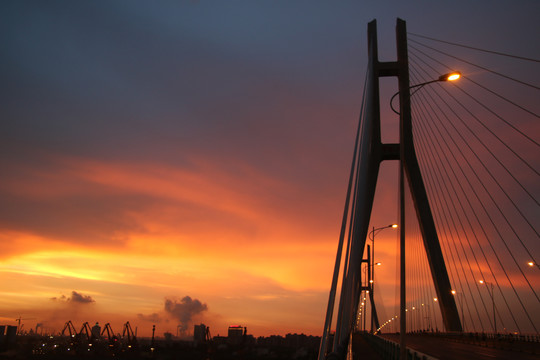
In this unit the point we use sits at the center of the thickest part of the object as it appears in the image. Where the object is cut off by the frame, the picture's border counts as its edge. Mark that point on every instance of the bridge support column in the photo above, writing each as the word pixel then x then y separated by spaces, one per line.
pixel 418 191
pixel 369 153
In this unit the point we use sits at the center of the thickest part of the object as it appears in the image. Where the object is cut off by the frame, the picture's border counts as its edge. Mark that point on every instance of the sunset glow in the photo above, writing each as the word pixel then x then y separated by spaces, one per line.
pixel 154 156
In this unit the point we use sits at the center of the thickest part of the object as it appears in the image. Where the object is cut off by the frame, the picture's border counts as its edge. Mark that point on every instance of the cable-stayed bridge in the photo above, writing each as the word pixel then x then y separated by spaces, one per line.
pixel 469 211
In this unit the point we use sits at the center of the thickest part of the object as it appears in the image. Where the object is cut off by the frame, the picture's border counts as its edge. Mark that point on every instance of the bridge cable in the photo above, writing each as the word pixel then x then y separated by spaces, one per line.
pixel 439 162
pixel 500 163
pixel 414 271
pixel 433 146
pixel 486 127
pixel 508 101
pixel 493 93
pixel 423 278
pixel 497 137
pixel 498 183
pixel 476 48
pixel 451 253
pixel 331 300
pixel 520 269
pixel 499 233
pixel 478 66
pixel 444 225
pixel 417 275
pixel 352 288
pixel 436 193
pixel 501 212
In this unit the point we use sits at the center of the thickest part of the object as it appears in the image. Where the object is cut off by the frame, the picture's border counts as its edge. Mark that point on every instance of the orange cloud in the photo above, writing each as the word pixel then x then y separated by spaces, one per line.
pixel 167 232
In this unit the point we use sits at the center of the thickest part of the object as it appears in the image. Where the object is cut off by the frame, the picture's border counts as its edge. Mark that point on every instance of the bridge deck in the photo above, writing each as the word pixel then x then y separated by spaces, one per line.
pixel 447 349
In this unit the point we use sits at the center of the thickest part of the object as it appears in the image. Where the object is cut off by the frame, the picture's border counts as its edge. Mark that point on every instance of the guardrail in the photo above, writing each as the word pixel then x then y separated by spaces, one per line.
pixel 518 343
pixel 390 350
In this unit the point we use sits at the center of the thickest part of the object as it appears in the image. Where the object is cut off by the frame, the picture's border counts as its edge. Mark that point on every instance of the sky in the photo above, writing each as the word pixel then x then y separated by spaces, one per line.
pixel 177 162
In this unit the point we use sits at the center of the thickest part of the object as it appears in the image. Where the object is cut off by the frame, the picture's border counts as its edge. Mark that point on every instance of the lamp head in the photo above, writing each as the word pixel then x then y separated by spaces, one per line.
pixel 453 76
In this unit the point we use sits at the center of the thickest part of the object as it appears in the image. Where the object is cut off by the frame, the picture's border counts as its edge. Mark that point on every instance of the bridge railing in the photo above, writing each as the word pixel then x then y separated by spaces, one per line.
pixel 390 350
pixel 517 343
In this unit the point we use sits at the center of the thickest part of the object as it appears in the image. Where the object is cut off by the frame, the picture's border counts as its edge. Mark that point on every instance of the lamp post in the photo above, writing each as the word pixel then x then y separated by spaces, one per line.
pixel 406 149
pixel 492 294
pixel 452 76
pixel 371 236
pixel 460 294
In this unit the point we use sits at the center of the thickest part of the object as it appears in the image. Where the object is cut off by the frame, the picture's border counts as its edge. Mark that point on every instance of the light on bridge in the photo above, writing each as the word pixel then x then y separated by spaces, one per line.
pixel 453 76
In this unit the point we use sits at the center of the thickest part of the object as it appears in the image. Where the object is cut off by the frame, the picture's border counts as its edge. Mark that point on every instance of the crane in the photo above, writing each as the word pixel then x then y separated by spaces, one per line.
pixel 69 326
pixel 85 330
pixel 19 327
pixel 113 339
pixel 131 338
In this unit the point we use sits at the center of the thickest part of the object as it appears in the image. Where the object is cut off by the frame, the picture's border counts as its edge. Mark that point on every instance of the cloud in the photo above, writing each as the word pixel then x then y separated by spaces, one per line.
pixel 154 317
pixel 184 310
pixel 80 298
pixel 75 298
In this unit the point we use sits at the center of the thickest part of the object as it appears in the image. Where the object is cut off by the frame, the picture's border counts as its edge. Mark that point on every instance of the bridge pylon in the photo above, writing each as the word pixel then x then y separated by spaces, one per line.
pixel 369 153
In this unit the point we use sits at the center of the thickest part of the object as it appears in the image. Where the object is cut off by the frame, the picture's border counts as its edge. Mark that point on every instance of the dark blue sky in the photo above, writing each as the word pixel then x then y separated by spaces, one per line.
pixel 100 77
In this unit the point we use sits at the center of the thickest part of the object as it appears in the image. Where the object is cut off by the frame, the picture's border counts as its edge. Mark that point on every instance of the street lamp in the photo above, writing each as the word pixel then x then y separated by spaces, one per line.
pixel 371 236
pixel 492 294
pixel 452 76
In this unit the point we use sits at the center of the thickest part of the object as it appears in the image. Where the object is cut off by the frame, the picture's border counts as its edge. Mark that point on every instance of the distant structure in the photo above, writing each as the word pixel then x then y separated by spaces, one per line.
pixel 236 334
pixel 199 333
pixel 96 331
pixel 8 335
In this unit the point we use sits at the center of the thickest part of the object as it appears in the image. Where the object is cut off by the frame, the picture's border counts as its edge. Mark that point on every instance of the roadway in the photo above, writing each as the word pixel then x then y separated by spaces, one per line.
pixel 446 349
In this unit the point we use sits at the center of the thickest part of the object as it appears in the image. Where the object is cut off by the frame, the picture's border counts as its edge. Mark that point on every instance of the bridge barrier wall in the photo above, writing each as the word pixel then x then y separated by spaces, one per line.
pixel 511 342
pixel 390 350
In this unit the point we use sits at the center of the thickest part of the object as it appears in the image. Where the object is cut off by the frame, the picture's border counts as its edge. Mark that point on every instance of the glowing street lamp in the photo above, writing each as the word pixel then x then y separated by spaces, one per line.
pixel 451 76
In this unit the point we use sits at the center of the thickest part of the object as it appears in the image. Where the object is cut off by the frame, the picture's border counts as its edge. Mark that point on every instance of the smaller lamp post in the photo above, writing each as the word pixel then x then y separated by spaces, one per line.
pixel 492 294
